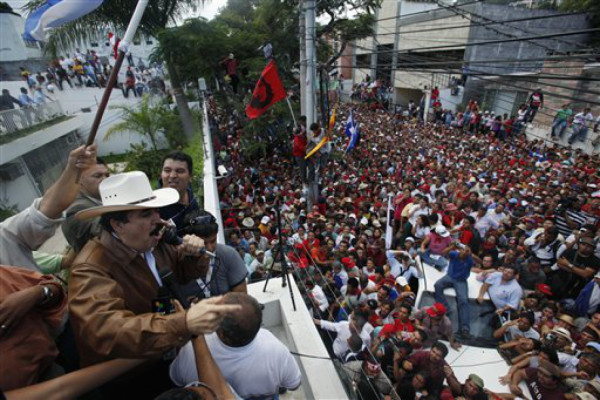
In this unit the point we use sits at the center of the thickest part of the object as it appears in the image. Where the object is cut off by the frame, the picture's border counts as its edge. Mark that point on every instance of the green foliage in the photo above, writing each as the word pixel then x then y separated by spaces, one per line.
pixel 7 211
pixel 195 149
pixel 5 8
pixel 146 160
pixel 148 120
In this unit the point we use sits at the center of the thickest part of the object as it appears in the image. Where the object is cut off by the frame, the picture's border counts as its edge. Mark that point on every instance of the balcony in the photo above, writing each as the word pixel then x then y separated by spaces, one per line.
pixel 21 122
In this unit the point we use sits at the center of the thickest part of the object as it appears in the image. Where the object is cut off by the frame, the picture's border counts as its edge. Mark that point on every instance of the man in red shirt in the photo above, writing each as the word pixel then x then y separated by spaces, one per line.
pixel 299 148
pixel 402 322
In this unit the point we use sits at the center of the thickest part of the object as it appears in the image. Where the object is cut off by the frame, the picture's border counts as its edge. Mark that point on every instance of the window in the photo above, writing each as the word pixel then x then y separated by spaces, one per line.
pixel 31 44
pixel 149 42
pixel 137 42
pixel 94 44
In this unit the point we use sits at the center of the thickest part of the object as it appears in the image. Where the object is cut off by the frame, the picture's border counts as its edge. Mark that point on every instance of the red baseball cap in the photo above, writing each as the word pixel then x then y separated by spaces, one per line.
pixel 543 288
pixel 436 310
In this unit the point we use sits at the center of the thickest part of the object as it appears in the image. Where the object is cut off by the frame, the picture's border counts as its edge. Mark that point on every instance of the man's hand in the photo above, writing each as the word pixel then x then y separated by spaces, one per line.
pixel 192 245
pixel 455 345
pixel 205 316
pixel 16 305
pixel 480 299
pixel 407 366
pixel 82 158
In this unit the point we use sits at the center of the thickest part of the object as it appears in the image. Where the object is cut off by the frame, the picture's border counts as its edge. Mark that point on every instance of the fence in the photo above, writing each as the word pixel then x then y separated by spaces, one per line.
pixel 12 121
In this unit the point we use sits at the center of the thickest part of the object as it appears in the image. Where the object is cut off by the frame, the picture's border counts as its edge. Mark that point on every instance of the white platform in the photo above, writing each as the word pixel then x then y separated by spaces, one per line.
pixel 297 330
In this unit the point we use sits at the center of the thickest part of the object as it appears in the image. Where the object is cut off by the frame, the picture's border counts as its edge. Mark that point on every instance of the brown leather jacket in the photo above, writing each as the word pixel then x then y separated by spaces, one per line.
pixel 110 295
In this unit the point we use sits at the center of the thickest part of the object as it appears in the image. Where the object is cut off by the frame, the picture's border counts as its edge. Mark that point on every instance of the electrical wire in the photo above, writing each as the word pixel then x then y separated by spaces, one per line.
pixel 468 15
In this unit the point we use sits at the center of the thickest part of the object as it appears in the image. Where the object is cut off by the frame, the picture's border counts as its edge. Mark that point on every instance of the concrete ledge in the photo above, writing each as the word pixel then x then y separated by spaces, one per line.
pixel 21 146
pixel 319 377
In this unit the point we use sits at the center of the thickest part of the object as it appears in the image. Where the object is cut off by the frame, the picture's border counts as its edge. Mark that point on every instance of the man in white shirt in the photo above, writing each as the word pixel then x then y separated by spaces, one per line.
pixel 345 329
pixel 253 361
pixel 581 123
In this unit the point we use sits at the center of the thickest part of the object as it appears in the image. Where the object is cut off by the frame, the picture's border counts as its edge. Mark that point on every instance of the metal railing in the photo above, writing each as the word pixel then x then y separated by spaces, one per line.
pixel 12 121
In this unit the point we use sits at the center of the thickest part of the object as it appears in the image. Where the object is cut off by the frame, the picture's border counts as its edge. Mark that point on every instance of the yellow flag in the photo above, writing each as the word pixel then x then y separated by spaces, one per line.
pixel 325 138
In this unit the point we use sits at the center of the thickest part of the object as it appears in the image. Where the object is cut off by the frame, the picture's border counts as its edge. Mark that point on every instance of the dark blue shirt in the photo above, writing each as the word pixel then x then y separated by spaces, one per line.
pixel 459 269
pixel 178 211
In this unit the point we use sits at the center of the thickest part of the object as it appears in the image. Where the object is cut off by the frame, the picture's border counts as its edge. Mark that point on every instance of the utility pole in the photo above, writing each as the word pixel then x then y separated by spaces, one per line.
pixel 395 53
pixel 374 46
pixel 302 30
pixel 309 12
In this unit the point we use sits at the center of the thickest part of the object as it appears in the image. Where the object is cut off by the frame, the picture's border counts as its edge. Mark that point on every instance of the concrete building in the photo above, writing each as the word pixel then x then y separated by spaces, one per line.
pixel 436 43
pixel 16 52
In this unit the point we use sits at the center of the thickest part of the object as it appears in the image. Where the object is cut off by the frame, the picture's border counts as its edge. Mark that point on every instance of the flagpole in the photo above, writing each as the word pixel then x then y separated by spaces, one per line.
pixel 112 80
pixel 291 111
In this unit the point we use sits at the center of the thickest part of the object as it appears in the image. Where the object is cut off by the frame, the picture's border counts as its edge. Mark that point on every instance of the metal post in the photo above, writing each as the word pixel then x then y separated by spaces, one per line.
pixel 395 54
pixel 302 33
pixel 310 61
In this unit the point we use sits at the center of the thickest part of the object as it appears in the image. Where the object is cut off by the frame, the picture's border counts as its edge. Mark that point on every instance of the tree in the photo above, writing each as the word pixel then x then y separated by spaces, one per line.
pixel 344 29
pixel 117 14
pixel 146 121
pixel 5 8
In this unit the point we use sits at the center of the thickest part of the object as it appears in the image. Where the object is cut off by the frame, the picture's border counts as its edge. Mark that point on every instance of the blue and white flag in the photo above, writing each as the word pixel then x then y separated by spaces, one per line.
pixel 353 132
pixel 54 13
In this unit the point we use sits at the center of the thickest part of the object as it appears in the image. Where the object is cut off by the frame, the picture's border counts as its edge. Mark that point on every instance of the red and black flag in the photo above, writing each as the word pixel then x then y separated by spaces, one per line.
pixel 268 91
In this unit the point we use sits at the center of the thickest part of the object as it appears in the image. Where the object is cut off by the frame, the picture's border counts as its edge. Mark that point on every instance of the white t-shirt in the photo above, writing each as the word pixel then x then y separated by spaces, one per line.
pixel 258 369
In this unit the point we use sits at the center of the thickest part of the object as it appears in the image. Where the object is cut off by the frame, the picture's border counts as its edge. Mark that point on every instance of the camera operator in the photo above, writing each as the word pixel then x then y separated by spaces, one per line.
pixel 546 246
pixel 559 339
pixel 221 268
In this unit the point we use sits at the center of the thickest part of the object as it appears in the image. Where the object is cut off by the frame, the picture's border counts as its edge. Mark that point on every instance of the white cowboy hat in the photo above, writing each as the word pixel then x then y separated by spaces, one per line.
pixel 248 222
pixel 129 191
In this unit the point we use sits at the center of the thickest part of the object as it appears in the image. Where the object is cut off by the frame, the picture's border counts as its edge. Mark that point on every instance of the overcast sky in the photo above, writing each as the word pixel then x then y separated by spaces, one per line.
pixel 209 10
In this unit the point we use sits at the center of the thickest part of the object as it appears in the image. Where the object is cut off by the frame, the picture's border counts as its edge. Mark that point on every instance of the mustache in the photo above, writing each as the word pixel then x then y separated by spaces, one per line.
pixel 159 228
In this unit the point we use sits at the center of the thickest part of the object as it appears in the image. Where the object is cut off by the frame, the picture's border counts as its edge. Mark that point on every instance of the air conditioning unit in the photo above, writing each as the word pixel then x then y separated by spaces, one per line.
pixel 11 171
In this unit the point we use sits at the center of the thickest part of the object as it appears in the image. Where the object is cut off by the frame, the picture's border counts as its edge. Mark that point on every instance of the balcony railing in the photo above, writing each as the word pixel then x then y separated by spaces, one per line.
pixel 21 119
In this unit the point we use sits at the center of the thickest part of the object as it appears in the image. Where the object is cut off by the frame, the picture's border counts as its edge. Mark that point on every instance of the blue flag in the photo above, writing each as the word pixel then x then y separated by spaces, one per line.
pixel 353 132
pixel 54 13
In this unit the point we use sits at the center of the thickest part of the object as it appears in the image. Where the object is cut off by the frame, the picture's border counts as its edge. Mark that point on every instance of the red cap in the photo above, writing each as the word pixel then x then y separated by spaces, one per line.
pixel 436 310
pixel 543 288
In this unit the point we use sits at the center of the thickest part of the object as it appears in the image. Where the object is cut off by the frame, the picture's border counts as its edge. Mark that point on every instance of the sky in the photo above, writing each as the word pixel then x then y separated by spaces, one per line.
pixel 208 11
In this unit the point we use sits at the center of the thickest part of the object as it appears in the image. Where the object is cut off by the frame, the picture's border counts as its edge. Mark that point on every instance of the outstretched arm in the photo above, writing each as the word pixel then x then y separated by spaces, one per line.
pixel 208 370
pixel 75 384
pixel 63 192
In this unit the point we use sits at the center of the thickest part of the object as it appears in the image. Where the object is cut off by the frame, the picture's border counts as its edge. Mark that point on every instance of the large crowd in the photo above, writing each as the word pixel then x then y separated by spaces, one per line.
pixel 362 230
pixel 520 218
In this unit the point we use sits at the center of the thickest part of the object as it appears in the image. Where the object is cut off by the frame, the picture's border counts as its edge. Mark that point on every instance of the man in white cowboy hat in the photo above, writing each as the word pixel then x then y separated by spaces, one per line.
pixel 115 280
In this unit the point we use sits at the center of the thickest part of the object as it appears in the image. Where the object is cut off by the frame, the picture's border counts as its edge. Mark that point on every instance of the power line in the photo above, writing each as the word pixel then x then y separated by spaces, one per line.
pixel 468 14
pixel 493 41
pixel 442 28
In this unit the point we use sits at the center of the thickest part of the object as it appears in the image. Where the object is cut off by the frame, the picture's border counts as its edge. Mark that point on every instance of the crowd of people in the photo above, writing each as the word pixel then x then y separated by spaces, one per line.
pixel 520 217
pixel 360 229
pixel 90 70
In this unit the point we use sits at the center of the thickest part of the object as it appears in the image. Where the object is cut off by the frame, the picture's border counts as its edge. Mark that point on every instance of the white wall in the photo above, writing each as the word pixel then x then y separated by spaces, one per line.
pixel 12 45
